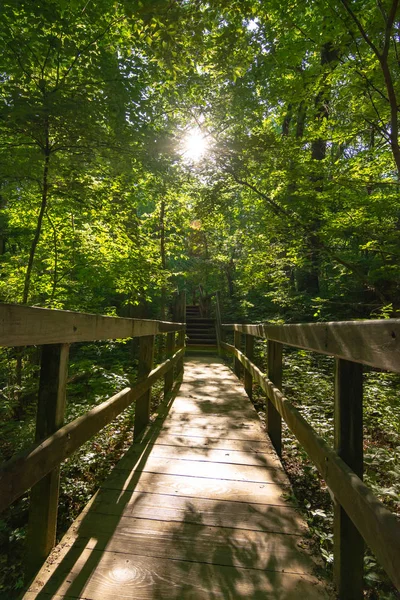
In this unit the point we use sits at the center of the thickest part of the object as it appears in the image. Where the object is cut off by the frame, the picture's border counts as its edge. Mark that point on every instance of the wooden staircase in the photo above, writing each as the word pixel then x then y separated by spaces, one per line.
pixel 200 331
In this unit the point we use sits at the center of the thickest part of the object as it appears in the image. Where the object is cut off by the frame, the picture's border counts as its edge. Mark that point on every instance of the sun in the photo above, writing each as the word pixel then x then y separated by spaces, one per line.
pixel 194 145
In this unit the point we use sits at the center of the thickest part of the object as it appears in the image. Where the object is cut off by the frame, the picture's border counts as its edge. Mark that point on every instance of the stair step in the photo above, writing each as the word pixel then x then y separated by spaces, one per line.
pixel 200 320
pixel 206 334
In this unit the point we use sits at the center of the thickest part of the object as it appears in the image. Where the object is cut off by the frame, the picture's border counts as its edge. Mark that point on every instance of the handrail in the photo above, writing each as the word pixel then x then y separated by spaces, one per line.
pixel 27 326
pixel 358 514
pixel 375 343
pixel 24 470
pixel 38 466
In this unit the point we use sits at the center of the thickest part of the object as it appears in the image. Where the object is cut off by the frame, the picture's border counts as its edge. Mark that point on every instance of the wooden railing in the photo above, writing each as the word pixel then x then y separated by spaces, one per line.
pixel 37 468
pixel 358 514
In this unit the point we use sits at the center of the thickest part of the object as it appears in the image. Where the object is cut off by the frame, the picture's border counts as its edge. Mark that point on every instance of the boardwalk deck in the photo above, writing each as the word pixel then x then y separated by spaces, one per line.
pixel 199 509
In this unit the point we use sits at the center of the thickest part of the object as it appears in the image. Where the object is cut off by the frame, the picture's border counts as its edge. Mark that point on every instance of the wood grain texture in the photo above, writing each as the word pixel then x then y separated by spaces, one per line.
pixel 190 509
pixel 375 343
pixel 186 516
pixel 43 509
pixel 93 574
pixel 27 326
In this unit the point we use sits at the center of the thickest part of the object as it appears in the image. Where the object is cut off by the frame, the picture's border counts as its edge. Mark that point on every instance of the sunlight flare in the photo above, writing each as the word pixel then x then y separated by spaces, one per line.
pixel 194 145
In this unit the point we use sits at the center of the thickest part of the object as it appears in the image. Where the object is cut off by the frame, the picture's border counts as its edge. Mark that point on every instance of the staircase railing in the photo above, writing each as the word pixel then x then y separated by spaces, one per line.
pixel 38 466
pixel 358 514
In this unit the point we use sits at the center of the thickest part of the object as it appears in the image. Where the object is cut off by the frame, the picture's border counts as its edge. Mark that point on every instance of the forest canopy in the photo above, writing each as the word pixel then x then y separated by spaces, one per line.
pixel 249 146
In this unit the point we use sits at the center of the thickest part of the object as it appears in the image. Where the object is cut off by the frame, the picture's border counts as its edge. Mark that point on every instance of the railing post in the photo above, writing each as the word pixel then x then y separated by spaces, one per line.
pixel 249 352
pixel 181 318
pixel 169 375
pixel 237 365
pixel 43 509
pixel 348 543
pixel 274 420
pixel 146 357
pixel 218 321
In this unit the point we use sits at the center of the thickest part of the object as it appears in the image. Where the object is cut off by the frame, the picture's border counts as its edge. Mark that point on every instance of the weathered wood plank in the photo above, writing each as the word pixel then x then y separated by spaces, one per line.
pixel 192 541
pixel 27 326
pixel 375 343
pixel 214 455
pixel 199 487
pixel 204 441
pixel 114 575
pixel 25 469
pixel 221 513
pixel 216 470
pixel 238 431
pixel 377 525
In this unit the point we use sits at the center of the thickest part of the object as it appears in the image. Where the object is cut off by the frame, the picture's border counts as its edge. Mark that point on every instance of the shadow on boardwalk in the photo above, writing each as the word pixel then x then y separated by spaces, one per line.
pixel 197 509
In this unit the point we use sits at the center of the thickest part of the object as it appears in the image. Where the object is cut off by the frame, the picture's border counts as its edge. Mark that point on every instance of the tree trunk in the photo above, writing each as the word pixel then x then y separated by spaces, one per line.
pixel 36 237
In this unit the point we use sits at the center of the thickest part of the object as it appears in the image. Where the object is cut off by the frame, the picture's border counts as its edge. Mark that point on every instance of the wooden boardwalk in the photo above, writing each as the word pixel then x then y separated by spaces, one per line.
pixel 199 509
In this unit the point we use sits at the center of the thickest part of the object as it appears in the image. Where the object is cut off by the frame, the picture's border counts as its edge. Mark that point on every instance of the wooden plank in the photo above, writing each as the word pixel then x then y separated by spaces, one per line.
pixel 377 525
pixel 199 487
pixel 204 441
pixel 215 470
pixel 42 524
pixel 192 541
pixel 238 431
pixel 220 513
pixel 109 575
pixel 27 468
pixel 146 358
pixel 348 543
pixel 226 418
pixel 27 326
pixel 375 343
pixel 210 403
pixel 274 419
pixel 215 455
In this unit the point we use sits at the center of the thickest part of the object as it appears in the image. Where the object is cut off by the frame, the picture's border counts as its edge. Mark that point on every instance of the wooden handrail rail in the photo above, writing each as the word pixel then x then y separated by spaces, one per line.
pixel 22 471
pixel 375 343
pixel 54 330
pixel 30 326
